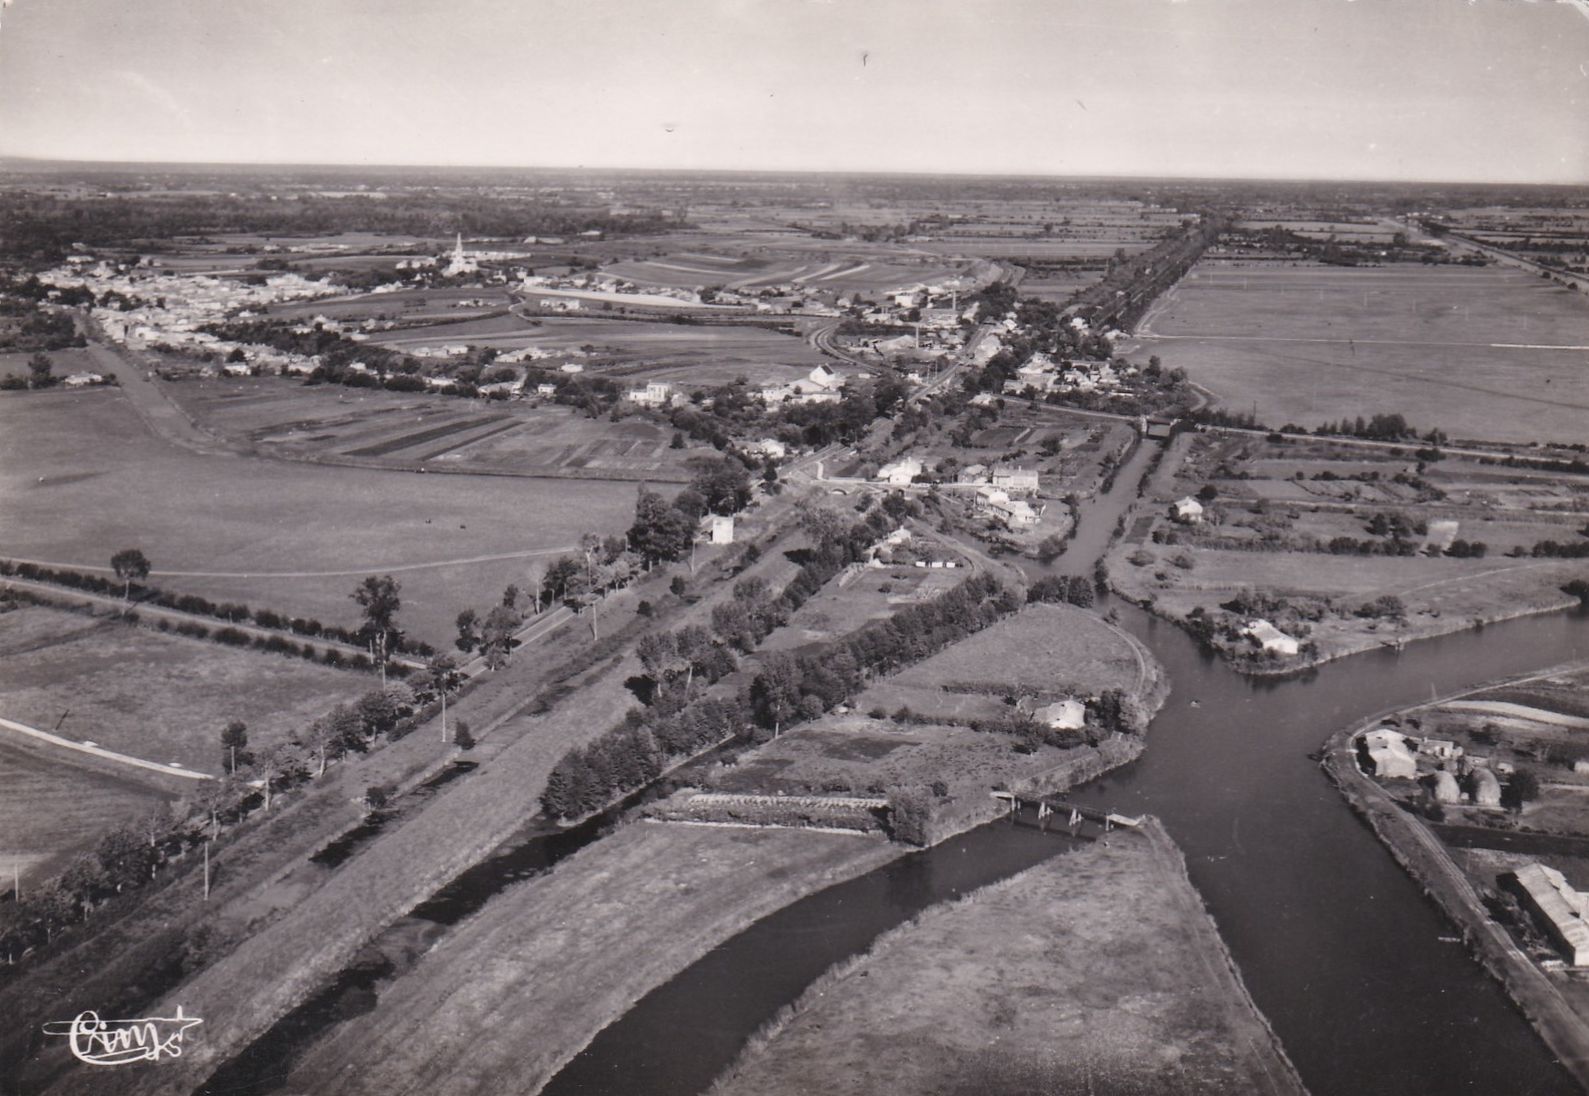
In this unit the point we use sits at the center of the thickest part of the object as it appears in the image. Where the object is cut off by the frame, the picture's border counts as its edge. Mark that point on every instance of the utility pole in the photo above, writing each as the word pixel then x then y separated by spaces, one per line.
pixel 206 871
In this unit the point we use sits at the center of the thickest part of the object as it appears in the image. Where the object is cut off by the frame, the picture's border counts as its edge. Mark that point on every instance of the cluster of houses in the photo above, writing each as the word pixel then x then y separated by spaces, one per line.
pixel 1042 374
pixel 182 304
pixel 1450 775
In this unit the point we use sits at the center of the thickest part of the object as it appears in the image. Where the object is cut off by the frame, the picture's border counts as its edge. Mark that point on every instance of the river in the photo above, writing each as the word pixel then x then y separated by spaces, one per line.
pixel 1338 946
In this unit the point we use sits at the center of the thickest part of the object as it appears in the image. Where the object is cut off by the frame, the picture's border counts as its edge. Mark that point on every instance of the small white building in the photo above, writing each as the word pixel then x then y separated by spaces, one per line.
pixel 82 380
pixel 1389 755
pixel 768 447
pixel 722 529
pixel 1270 639
pixel 1187 511
pixel 1439 748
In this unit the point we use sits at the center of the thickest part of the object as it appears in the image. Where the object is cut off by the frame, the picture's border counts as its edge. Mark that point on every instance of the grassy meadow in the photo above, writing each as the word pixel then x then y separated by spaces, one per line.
pixel 157 697
pixel 80 479
pixel 1480 353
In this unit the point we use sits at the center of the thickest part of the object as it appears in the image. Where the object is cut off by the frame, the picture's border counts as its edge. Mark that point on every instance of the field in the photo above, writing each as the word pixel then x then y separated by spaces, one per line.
pixel 157 697
pixel 64 362
pixel 1096 971
pixel 1480 353
pixel 50 806
pixel 1044 650
pixel 871 595
pixel 80 479
pixel 865 275
pixel 690 355
pixel 280 417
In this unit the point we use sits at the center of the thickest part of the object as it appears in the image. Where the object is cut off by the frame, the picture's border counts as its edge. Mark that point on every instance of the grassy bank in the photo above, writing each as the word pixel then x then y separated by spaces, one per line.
pixel 1095 971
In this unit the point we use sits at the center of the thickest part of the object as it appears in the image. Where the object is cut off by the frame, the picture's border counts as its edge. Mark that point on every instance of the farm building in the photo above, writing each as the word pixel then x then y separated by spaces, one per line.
pixel 1440 749
pixel 1187 510
pixel 81 380
pixel 1443 788
pixel 1559 909
pixel 1388 754
pixel 1484 787
pixel 722 529
pixel 1269 638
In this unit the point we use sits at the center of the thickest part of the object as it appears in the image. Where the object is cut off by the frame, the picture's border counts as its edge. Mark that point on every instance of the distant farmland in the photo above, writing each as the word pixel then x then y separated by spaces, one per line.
pixel 80 479
pixel 1485 353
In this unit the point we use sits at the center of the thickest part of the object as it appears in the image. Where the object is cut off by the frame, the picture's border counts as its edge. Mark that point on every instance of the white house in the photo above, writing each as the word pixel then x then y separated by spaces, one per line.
pixel 1015 513
pixel 654 394
pixel 1388 753
pixel 82 380
pixel 1016 481
pixel 767 447
pixel 900 472
pixel 722 529
pixel 1187 511
pixel 237 369
pixel 572 367
pixel 1269 638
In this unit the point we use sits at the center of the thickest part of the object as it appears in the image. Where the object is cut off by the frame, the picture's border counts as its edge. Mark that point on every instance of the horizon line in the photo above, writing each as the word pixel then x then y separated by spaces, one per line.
pixel 7 160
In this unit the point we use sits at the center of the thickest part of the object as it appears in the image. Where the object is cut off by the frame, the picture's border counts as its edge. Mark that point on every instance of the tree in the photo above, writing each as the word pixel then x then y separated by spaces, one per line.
pixel 234 746
pixel 378 597
pixel 39 371
pixel 130 565
pixel 322 742
pixel 659 532
pixel 724 485
pixel 1522 788
pixel 468 631
pixel 775 693
pixel 496 636
pixel 276 764
pixel 441 674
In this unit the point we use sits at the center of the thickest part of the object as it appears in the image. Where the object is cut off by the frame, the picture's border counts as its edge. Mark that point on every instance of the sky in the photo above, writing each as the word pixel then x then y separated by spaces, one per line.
pixel 1460 90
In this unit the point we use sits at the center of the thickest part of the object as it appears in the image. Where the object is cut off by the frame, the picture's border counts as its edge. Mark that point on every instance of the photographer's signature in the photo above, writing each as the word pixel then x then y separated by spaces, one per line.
pixel 118 1042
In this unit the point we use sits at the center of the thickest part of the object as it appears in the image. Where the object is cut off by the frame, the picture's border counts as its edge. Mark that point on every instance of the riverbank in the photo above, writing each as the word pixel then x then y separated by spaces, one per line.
pixel 1423 857
pixel 488 1009
pixel 1099 970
